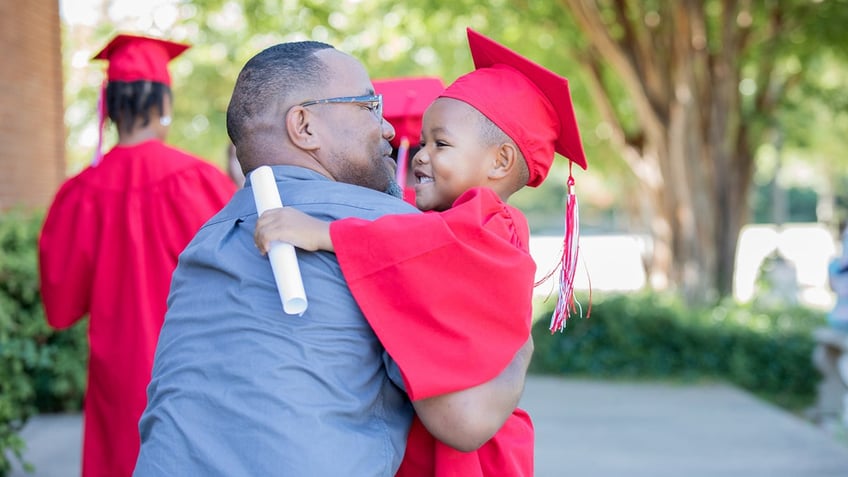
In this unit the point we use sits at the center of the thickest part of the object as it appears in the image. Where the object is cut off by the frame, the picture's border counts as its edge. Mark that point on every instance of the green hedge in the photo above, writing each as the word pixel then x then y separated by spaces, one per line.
pixel 41 370
pixel 767 352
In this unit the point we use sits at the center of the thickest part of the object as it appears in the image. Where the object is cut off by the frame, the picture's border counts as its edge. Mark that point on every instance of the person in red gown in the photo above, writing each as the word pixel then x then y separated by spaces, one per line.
pixel 449 294
pixel 111 240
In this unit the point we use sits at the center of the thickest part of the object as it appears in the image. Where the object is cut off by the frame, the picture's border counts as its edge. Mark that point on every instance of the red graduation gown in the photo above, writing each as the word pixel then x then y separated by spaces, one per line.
pixel 108 247
pixel 449 295
pixel 409 195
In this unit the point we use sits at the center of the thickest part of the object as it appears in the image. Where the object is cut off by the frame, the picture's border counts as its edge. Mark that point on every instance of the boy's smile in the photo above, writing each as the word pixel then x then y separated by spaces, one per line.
pixel 452 158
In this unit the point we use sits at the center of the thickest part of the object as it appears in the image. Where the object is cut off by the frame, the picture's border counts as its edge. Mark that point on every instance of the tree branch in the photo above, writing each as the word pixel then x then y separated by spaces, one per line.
pixel 631 146
pixel 589 20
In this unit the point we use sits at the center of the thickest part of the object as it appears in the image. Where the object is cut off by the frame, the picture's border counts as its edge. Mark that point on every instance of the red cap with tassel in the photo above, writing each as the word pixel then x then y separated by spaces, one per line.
pixel 133 58
pixel 532 105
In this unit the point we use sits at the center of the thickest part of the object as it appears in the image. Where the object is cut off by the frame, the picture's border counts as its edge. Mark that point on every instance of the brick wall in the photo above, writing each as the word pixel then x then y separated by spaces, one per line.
pixel 32 131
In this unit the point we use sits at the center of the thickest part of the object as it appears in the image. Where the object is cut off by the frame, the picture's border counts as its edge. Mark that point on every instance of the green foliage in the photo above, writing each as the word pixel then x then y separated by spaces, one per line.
pixel 802 68
pixel 40 369
pixel 391 38
pixel 765 351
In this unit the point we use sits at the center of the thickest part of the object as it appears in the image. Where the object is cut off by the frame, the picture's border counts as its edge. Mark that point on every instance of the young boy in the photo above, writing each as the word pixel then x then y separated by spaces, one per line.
pixel 488 134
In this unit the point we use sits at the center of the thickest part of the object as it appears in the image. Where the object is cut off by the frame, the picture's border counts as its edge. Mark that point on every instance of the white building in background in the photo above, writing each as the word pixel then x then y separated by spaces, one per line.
pixel 809 247
pixel 614 262
pixel 611 262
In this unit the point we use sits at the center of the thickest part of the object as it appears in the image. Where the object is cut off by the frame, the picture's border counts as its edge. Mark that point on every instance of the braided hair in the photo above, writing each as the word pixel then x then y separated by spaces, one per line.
pixel 126 102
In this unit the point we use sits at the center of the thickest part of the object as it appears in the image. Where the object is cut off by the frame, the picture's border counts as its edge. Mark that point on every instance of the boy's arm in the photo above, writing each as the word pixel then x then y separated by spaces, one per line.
pixel 290 225
pixel 466 419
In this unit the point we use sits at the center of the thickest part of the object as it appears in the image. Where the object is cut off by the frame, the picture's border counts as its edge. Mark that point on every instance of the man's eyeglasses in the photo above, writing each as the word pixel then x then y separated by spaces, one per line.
pixel 374 102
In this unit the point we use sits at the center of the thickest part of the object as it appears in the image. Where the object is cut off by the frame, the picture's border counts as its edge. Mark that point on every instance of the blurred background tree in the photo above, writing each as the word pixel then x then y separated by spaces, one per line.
pixel 706 82
pixel 685 107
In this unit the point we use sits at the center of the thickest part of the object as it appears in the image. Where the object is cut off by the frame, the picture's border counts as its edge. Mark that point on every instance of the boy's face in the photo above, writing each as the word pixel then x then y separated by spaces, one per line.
pixel 452 158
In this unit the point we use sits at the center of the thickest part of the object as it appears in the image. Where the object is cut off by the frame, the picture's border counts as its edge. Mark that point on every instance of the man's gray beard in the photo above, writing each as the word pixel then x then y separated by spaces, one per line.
pixel 394 190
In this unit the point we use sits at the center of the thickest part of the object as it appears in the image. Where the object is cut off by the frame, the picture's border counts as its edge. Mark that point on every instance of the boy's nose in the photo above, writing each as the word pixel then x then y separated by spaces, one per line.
pixel 419 157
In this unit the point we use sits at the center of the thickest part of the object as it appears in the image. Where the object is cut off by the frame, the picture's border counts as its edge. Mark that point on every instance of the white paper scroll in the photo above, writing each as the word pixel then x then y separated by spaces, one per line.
pixel 281 254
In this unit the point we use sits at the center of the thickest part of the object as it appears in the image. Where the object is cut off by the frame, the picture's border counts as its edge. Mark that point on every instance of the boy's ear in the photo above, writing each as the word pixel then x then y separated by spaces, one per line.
pixel 300 129
pixel 505 161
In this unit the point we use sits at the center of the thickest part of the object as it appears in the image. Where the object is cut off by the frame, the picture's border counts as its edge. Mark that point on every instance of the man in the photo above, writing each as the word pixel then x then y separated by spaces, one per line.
pixel 111 241
pixel 240 388
pixel 486 136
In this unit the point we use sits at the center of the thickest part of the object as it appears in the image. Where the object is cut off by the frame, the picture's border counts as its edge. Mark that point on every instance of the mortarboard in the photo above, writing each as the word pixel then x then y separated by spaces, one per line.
pixel 530 103
pixel 133 58
pixel 138 58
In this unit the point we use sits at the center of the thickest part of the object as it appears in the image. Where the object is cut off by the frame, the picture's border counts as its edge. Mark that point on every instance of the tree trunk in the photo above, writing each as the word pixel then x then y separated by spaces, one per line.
pixel 690 151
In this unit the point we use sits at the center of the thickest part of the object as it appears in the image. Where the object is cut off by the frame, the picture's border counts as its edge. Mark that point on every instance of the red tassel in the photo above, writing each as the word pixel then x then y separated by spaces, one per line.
pixel 568 263
pixel 101 121
pixel 402 163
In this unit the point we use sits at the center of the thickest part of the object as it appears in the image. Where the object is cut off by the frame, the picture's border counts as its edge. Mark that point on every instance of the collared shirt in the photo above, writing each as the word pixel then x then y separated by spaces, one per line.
pixel 240 388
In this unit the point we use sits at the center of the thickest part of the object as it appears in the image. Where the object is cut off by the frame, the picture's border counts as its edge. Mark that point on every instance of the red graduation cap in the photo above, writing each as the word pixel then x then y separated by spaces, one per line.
pixel 137 58
pixel 404 103
pixel 133 58
pixel 531 104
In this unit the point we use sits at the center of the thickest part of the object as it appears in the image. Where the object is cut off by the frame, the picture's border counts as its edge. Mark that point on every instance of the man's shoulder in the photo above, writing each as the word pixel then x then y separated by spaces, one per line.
pixel 314 193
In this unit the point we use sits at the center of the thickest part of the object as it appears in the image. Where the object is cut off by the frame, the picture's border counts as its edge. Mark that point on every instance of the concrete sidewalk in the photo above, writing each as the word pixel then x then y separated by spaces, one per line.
pixel 604 429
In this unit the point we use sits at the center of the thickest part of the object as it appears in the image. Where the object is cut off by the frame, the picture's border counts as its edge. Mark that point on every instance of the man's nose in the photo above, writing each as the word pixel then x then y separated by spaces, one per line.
pixel 388 130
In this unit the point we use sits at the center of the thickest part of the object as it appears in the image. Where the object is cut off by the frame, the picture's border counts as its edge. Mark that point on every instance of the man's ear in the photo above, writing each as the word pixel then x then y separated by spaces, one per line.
pixel 300 129
pixel 504 162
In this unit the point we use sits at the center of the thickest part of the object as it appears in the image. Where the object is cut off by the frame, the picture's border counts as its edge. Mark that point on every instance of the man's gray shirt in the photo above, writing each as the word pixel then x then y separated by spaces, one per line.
pixel 241 389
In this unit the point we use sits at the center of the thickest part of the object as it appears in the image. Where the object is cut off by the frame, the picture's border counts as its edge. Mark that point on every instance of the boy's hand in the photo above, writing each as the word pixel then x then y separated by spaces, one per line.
pixel 292 226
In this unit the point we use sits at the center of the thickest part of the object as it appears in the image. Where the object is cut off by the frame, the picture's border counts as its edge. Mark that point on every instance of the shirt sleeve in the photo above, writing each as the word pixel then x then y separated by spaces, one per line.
pixel 449 294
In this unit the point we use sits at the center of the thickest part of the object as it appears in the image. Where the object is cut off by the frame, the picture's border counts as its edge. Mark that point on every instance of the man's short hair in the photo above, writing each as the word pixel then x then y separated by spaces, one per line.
pixel 270 77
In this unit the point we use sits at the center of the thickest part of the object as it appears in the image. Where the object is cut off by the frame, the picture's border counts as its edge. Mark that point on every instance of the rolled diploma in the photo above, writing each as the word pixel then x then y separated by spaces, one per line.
pixel 282 256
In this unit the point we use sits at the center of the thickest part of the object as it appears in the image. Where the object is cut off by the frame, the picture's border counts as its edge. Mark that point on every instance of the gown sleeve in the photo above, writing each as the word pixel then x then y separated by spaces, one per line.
pixel 66 248
pixel 448 294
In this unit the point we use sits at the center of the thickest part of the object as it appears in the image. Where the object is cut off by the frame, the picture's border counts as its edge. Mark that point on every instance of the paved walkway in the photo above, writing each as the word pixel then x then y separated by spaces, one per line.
pixel 604 429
